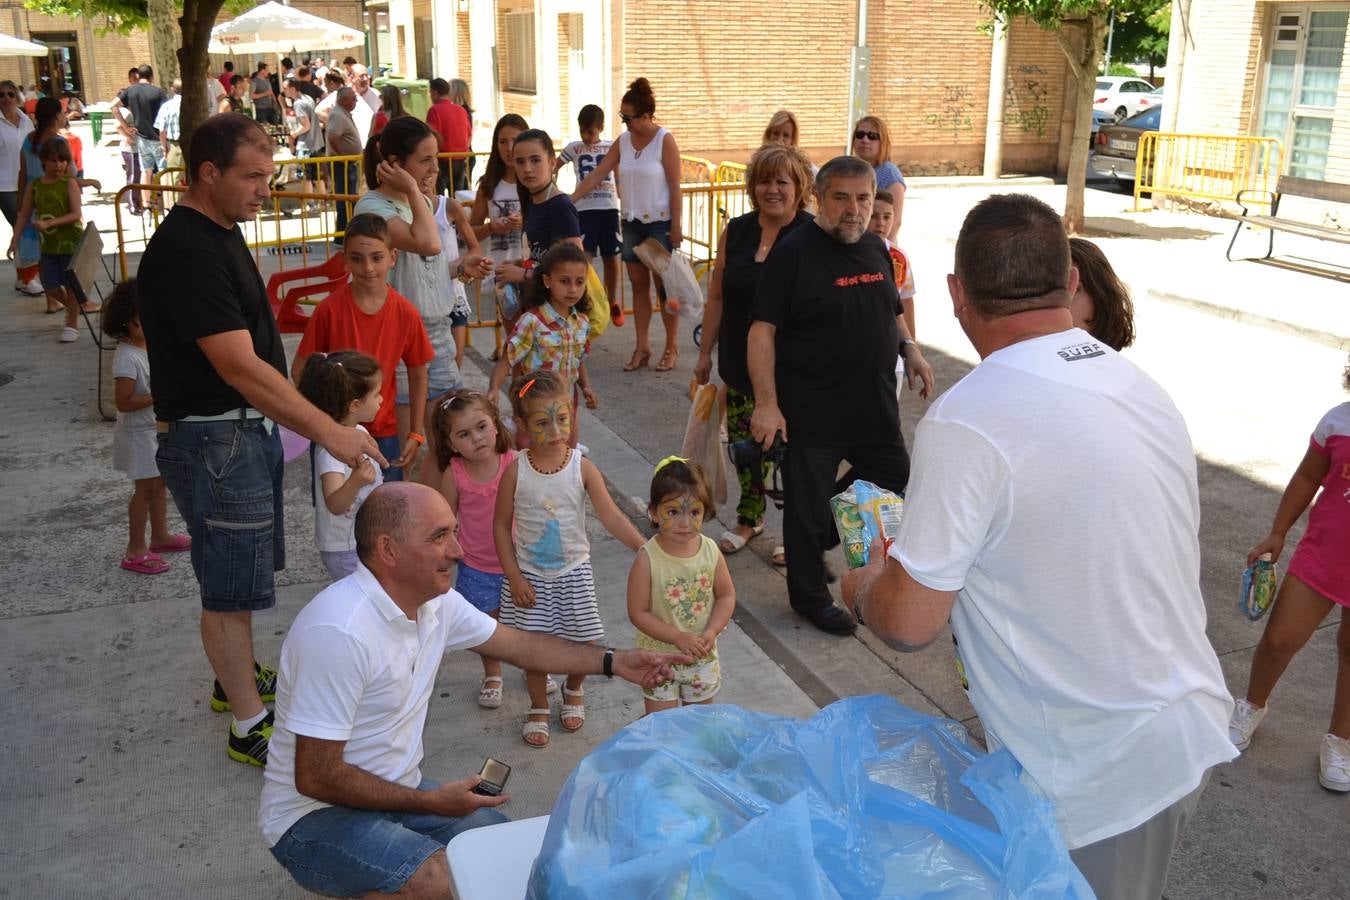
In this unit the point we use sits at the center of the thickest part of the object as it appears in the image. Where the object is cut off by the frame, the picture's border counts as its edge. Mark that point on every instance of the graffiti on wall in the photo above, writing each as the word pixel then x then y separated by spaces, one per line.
pixel 955 114
pixel 1025 102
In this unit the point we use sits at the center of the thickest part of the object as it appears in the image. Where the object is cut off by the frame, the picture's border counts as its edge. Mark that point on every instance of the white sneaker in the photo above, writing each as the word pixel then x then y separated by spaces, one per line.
pixel 69 335
pixel 31 288
pixel 1335 758
pixel 1243 724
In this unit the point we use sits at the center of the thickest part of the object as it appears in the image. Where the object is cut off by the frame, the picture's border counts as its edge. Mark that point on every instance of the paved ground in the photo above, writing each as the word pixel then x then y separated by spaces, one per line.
pixel 116 783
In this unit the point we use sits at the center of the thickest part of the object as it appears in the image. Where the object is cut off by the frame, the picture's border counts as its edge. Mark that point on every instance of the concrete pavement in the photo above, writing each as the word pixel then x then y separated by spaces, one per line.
pixel 116 783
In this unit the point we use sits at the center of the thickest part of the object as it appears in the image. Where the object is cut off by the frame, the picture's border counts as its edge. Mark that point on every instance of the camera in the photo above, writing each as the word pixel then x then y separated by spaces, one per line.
pixel 749 454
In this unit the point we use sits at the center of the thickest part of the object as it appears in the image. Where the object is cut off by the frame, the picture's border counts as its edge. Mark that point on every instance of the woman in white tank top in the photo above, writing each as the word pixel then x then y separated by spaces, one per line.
pixel 647 161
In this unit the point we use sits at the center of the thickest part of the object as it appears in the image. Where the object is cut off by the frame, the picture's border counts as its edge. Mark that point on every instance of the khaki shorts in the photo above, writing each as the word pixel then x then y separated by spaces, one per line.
pixel 694 683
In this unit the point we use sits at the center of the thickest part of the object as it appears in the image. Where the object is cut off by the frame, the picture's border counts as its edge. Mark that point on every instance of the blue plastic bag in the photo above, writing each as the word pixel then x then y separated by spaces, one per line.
pixel 866 799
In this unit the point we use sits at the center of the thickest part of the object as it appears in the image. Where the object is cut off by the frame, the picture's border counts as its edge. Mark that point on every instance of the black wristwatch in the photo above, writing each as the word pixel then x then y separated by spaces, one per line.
pixel 904 348
pixel 608 667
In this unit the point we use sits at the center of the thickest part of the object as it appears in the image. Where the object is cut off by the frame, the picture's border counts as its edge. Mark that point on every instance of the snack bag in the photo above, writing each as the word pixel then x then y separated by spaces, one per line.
pixel 862 514
pixel 849 522
pixel 1258 588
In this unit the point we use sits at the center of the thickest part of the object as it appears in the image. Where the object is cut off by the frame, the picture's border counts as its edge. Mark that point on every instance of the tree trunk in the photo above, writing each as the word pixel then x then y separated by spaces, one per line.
pixel 164 40
pixel 196 21
pixel 1083 63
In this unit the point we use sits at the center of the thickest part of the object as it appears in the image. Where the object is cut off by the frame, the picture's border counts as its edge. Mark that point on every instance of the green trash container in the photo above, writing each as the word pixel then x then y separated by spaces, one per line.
pixel 416 94
pixel 96 118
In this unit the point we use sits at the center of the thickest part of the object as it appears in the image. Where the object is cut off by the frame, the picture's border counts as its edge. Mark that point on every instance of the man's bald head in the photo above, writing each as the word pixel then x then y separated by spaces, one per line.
pixel 388 510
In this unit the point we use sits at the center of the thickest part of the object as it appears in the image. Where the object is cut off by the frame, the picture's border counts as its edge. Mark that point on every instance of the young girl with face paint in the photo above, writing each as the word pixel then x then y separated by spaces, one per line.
pixel 549 584
pixel 680 595
pixel 554 330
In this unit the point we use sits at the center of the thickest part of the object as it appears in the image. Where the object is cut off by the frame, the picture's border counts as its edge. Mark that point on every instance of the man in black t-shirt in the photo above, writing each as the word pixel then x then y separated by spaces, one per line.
pixel 143 100
pixel 822 353
pixel 220 386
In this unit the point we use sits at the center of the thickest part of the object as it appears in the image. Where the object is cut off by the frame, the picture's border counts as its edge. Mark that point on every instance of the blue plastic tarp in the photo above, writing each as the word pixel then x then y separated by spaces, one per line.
pixel 866 799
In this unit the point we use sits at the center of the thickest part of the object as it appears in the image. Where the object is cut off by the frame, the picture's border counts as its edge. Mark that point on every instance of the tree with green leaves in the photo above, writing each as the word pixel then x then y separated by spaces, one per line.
pixel 1141 35
pixel 180 35
pixel 1079 27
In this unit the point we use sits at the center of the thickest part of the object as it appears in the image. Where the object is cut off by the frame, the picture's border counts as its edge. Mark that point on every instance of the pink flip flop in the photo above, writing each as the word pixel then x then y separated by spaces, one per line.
pixel 180 543
pixel 146 564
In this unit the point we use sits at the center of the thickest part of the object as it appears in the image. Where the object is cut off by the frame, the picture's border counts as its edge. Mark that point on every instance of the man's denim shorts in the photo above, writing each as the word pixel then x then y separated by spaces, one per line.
pixel 225 478
pixel 345 852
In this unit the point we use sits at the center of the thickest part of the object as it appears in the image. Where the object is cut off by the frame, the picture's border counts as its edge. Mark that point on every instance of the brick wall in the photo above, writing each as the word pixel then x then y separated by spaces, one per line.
pixel 719 73
pixel 464 54
pixel 716 87
pixel 1218 87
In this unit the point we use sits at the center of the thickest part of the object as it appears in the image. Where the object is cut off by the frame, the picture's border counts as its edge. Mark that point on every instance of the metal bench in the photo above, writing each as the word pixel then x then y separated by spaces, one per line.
pixel 1289 186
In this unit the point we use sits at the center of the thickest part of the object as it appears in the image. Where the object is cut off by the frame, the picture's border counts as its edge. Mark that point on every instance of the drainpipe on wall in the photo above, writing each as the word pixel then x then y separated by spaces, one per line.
pixel 858 76
pixel 998 79
pixel 1176 63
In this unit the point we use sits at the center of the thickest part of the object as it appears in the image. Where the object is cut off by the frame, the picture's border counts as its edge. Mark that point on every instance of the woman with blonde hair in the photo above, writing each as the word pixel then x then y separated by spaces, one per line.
pixel 778 183
pixel 782 129
pixel 872 142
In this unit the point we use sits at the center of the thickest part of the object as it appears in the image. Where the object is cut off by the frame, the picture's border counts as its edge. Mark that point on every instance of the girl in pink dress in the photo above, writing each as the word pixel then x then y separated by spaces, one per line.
pixel 1316 581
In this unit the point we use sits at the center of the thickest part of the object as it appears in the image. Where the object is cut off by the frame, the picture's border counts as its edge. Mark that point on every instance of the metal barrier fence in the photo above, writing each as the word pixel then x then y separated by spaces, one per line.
pixel 1205 166
pixel 297 228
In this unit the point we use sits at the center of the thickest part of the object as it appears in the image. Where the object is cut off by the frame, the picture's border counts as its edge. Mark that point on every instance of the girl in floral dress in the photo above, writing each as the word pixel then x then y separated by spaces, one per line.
pixel 680 595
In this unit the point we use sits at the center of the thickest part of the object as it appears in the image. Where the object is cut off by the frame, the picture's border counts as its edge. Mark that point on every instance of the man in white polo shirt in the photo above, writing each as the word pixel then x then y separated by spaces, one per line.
pixel 1053 514
pixel 345 807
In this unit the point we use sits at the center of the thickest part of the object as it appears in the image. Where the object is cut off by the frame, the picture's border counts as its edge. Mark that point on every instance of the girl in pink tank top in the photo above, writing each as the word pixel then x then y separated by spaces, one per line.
pixel 472 450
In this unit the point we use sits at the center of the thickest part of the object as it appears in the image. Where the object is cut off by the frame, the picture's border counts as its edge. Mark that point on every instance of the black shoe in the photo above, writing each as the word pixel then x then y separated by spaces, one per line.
pixel 832 619
pixel 252 747
pixel 264 676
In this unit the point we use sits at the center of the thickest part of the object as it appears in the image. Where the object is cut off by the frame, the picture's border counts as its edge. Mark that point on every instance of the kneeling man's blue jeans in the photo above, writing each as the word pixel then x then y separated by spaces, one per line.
pixel 345 852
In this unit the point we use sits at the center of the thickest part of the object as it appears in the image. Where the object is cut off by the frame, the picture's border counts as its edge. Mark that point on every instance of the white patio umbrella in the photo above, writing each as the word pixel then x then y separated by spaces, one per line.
pixel 12 46
pixel 274 28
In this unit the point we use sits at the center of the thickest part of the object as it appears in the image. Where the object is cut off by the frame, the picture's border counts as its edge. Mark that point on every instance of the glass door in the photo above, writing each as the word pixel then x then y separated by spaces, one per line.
pixel 1301 74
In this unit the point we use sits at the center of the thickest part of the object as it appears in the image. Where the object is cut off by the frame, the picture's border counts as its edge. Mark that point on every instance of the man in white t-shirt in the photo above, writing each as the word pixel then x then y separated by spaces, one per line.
pixel 345 807
pixel 1053 514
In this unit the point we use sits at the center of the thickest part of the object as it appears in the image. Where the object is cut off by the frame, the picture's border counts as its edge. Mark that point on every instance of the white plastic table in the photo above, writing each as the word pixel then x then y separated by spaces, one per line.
pixel 493 863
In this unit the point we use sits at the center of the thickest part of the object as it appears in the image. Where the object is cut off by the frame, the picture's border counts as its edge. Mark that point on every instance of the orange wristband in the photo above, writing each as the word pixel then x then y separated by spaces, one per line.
pixel 414 436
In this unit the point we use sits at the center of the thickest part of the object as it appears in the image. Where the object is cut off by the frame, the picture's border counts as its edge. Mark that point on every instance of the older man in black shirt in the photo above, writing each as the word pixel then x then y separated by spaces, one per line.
pixel 822 353
pixel 220 386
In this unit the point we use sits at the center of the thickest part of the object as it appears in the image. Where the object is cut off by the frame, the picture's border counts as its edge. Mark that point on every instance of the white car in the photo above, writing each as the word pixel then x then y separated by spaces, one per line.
pixel 1124 97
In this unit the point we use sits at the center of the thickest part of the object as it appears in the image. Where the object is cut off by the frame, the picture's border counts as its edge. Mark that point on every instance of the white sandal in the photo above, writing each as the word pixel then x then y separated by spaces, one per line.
pixel 735 541
pixel 532 728
pixel 779 556
pixel 490 697
pixel 572 711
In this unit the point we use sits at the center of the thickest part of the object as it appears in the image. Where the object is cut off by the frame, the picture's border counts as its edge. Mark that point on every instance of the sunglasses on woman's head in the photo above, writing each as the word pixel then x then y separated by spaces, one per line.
pixel 866 135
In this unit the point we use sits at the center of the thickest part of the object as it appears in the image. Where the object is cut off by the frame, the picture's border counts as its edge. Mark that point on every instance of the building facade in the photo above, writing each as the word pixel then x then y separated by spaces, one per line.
pixel 1270 69
pixel 91 60
pixel 720 72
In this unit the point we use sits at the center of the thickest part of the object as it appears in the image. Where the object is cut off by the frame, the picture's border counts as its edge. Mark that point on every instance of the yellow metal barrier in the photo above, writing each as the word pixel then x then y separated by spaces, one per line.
pixel 729 173
pixel 1205 166
pixel 289 231
pixel 695 170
